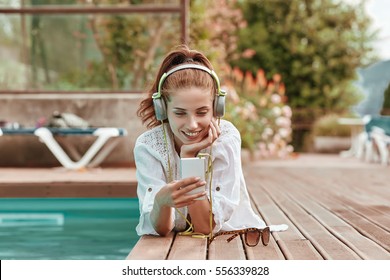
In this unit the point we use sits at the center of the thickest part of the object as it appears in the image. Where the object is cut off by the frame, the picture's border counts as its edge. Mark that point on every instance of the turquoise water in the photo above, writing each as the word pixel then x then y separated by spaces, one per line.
pixel 67 228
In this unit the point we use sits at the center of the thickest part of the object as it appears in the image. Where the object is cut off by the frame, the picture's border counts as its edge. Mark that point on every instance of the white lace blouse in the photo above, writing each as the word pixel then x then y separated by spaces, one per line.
pixel 231 206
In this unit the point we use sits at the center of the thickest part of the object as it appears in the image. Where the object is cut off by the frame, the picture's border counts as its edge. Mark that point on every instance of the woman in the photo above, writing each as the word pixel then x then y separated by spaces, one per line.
pixel 182 111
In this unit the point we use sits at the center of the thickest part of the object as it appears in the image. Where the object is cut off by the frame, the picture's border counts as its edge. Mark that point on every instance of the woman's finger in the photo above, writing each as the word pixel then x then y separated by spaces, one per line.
pixel 185 204
pixel 213 131
pixel 192 187
pixel 188 199
pixel 180 184
pixel 217 128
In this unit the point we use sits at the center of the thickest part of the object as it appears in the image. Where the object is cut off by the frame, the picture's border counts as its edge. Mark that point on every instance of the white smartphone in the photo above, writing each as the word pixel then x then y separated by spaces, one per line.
pixel 194 167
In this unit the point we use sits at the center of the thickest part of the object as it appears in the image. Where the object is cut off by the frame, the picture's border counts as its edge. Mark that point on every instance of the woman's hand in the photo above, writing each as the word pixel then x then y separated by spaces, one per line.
pixel 175 194
pixel 191 150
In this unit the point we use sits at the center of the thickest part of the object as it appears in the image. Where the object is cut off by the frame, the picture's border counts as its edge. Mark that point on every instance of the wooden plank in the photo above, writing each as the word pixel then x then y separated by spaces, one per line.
pixel 366 228
pixel 326 244
pixel 379 232
pixel 260 252
pixel 220 249
pixel 375 213
pixel 60 182
pixel 60 174
pixel 373 182
pixel 305 195
pixel 358 195
pixel 354 184
pixel 300 249
pixel 292 242
pixel 188 248
pixel 151 247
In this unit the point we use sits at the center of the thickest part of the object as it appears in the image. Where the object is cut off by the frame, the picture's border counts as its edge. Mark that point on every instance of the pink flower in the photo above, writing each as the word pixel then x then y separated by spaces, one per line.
pixel 284 132
pixel 260 78
pixel 275 98
pixel 248 53
pixel 277 78
pixel 287 111
pixel 232 94
pixel 283 122
pixel 277 111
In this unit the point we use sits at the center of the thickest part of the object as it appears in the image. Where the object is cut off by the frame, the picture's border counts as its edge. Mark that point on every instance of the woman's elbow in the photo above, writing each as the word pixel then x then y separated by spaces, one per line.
pixel 204 229
pixel 163 231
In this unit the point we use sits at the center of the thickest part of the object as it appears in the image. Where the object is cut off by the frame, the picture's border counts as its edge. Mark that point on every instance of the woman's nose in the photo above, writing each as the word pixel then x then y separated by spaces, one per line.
pixel 192 122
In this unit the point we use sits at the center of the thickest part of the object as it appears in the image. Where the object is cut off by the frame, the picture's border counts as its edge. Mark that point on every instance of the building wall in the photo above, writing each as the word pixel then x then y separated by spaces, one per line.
pixel 115 110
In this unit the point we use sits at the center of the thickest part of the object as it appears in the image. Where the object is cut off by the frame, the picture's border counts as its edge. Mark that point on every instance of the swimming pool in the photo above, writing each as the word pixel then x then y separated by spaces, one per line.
pixel 67 228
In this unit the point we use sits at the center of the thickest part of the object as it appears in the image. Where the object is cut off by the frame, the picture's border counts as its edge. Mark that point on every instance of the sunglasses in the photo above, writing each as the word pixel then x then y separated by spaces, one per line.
pixel 252 235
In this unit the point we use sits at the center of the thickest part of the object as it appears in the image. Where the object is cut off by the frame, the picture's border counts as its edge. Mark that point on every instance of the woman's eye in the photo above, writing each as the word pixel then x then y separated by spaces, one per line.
pixel 180 113
pixel 202 113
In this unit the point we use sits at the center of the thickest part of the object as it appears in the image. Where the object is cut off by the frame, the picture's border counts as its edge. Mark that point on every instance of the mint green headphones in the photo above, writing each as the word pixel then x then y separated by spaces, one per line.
pixel 160 107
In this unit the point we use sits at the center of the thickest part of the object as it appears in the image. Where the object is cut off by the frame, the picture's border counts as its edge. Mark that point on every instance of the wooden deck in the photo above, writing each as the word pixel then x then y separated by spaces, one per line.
pixel 60 182
pixel 336 209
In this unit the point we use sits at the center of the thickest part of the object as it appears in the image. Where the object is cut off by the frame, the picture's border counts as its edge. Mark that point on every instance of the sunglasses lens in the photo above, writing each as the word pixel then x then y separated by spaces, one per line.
pixel 252 237
pixel 265 236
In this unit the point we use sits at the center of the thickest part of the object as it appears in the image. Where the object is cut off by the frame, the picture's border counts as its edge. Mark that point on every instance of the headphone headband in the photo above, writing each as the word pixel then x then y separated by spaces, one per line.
pixel 188 66
pixel 160 106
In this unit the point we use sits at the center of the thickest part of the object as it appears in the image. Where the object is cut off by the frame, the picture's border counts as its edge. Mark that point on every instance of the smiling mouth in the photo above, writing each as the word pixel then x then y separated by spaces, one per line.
pixel 191 134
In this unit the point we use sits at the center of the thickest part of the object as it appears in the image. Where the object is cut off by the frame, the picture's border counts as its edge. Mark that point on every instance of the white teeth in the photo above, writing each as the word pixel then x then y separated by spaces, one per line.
pixel 191 134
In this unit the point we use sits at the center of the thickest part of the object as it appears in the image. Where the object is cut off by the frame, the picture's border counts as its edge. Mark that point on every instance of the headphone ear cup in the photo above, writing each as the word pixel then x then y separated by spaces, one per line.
pixel 219 106
pixel 160 109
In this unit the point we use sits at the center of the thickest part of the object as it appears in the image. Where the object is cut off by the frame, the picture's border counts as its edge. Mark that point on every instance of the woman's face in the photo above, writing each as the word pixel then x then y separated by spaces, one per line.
pixel 190 111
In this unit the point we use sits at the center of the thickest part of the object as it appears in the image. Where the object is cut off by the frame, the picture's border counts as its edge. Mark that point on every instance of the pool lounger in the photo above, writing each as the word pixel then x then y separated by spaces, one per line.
pixel 46 135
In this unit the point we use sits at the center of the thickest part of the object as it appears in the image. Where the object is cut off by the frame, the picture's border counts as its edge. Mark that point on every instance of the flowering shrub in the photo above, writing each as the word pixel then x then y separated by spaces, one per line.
pixel 258 109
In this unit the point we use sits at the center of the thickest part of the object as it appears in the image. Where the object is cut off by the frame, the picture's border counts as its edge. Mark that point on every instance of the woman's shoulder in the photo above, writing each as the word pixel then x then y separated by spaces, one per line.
pixel 151 142
pixel 228 129
pixel 154 135
pixel 229 141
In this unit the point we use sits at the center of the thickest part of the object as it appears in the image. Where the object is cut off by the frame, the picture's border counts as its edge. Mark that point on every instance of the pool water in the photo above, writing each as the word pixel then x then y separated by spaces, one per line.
pixel 67 228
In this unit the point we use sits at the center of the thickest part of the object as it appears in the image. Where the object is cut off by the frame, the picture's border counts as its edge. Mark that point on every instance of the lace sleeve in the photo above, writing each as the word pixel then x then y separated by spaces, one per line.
pixel 151 158
pixel 151 166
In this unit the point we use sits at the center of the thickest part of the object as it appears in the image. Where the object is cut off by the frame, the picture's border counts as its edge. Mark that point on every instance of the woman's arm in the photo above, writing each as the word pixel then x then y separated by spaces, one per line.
pixel 173 195
pixel 162 219
pixel 226 183
pixel 200 210
pixel 200 216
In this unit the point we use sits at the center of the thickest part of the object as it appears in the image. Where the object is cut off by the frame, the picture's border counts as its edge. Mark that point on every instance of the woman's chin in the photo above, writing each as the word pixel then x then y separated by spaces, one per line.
pixel 189 141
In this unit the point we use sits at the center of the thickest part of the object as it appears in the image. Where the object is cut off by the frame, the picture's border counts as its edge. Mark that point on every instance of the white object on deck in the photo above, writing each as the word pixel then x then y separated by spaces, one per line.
pixel 382 141
pixel 98 151
pixel 357 125
pixel 103 134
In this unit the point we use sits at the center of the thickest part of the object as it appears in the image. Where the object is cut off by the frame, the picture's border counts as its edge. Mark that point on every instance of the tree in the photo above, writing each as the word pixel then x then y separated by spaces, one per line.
pixel 100 51
pixel 257 107
pixel 214 26
pixel 131 45
pixel 315 44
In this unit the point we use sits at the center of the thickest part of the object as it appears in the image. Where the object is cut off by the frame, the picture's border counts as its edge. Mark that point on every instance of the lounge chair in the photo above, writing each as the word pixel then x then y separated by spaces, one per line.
pixel 376 133
pixel 381 137
pixel 92 157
